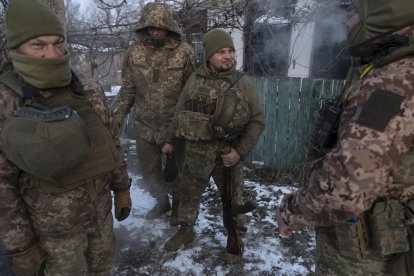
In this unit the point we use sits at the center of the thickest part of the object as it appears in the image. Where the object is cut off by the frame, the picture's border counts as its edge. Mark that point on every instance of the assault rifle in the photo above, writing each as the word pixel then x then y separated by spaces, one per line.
pixel 235 245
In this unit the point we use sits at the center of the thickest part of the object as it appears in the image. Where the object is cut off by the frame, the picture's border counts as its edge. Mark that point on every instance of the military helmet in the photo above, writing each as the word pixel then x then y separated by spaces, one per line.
pixel 378 18
pixel 45 142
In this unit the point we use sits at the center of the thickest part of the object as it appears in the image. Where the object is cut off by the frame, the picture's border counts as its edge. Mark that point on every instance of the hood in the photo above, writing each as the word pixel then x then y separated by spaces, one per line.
pixel 157 15
pixel 378 18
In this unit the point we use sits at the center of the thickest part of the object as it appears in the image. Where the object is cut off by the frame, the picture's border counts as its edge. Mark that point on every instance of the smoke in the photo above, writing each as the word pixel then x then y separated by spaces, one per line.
pixel 330 17
pixel 303 26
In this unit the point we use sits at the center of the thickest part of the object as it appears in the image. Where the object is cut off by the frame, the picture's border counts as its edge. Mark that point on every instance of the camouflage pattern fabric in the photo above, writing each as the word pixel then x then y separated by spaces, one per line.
pixel 153 76
pixel 202 158
pixel 149 165
pixel 331 262
pixel 376 135
pixel 152 79
pixel 32 215
pixel 157 15
pixel 82 254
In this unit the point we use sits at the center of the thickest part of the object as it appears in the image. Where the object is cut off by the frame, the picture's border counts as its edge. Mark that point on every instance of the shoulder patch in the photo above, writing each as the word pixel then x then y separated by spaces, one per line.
pixel 378 110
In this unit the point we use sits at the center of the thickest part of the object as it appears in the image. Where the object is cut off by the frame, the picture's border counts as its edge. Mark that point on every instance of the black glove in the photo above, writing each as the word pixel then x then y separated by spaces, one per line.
pixel 170 170
pixel 123 204
pixel 28 262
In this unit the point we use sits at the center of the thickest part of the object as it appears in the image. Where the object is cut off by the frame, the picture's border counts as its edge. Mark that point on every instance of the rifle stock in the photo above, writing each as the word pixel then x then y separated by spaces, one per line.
pixel 234 243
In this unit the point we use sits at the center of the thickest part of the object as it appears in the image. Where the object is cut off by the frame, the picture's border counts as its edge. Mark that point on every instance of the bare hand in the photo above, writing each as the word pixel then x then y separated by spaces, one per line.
pixel 231 159
pixel 167 148
pixel 284 230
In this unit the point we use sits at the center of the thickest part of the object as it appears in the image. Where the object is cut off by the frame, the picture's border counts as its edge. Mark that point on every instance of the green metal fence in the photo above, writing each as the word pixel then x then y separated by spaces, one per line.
pixel 290 105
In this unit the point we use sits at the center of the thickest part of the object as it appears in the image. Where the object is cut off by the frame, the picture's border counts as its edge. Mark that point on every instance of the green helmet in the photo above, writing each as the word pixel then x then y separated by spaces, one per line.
pixel 378 18
pixel 45 142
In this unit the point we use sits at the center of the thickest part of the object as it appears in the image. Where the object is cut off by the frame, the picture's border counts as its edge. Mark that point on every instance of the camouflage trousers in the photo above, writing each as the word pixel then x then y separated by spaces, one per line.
pixel 202 160
pixel 81 254
pixel 150 166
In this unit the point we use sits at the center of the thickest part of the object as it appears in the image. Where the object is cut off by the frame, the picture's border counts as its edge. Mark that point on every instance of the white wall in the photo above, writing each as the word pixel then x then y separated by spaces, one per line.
pixel 237 37
pixel 300 55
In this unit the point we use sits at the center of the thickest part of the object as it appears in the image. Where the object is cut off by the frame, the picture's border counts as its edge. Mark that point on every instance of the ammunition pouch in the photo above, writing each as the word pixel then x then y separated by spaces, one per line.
pixel 351 240
pixel 388 229
pixel 231 115
pixel 194 126
pixel 378 233
pixel 45 141
pixel 200 106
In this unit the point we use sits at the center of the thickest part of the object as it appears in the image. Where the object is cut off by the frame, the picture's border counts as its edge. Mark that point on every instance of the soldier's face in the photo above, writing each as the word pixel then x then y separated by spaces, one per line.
pixel 222 60
pixel 48 46
pixel 157 33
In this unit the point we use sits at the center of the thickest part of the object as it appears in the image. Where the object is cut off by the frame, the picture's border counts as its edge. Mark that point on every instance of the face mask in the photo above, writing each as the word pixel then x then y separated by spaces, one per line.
pixel 43 73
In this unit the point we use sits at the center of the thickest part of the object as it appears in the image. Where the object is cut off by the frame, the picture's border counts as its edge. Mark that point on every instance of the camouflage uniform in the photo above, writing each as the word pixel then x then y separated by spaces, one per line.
pixel 203 158
pixel 369 167
pixel 152 79
pixel 73 227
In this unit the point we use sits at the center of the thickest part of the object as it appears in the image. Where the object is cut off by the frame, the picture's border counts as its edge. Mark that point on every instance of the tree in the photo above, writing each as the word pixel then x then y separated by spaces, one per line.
pixel 96 39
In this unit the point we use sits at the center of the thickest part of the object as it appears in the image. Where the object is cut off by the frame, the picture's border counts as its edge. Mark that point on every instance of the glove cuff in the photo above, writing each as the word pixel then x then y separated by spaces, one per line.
pixel 117 190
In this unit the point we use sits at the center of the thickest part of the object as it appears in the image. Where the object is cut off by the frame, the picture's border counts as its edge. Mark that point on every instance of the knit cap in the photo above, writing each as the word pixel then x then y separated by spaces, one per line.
pixel 27 19
pixel 215 40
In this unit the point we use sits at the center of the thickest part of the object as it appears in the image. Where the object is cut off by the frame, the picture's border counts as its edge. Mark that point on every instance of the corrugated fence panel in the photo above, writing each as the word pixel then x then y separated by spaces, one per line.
pixel 270 107
pixel 294 148
pixel 291 106
pixel 282 123
pixel 257 153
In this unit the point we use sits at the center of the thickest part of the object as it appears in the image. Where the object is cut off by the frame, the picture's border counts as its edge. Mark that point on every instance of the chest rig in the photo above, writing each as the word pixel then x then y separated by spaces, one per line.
pixel 215 109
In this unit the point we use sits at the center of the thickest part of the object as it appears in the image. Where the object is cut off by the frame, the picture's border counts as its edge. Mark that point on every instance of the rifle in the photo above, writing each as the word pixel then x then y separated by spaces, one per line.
pixel 235 245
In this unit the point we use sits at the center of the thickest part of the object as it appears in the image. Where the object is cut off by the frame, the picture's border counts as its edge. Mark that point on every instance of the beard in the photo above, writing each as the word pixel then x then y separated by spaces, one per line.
pixel 158 42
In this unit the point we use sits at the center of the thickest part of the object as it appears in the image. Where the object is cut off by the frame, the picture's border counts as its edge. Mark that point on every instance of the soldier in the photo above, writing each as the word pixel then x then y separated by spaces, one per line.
pixel 218 108
pixel 59 156
pixel 155 70
pixel 360 194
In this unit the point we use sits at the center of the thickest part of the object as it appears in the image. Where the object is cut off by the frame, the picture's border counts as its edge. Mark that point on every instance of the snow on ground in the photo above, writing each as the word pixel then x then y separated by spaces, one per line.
pixel 141 241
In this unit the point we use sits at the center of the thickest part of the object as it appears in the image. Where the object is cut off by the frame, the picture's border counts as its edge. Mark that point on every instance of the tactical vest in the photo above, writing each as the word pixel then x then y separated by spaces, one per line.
pixel 214 110
pixel 102 156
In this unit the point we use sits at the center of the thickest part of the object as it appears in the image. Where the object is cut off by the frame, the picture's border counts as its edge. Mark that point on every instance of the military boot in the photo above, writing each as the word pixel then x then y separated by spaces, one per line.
pixel 183 236
pixel 162 206
pixel 174 212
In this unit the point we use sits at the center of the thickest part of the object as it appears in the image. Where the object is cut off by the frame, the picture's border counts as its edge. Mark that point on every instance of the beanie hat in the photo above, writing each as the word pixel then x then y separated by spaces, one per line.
pixel 29 19
pixel 216 40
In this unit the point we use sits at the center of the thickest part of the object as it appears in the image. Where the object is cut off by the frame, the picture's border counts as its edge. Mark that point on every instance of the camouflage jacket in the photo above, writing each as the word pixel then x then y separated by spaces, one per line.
pixel 376 135
pixel 246 140
pixel 153 76
pixel 25 217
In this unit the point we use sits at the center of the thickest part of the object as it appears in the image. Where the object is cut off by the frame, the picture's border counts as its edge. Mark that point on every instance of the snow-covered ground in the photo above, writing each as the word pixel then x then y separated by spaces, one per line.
pixel 142 241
